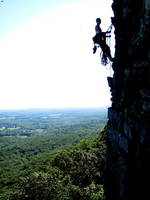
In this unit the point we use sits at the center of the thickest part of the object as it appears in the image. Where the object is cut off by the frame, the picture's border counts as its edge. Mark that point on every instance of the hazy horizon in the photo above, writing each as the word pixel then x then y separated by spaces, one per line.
pixel 56 108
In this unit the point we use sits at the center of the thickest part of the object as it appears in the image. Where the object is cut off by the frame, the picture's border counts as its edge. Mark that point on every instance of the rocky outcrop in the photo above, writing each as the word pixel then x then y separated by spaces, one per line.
pixel 128 129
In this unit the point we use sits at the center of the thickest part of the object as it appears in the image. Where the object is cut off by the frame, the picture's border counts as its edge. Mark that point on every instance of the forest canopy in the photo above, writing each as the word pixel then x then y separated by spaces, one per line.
pixel 60 151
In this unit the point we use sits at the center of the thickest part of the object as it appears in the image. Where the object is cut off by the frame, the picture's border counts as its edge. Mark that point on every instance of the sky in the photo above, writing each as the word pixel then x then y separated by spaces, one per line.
pixel 46 54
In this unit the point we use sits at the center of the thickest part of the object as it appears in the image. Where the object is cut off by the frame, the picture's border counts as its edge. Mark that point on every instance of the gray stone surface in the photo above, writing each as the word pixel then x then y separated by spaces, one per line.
pixel 128 129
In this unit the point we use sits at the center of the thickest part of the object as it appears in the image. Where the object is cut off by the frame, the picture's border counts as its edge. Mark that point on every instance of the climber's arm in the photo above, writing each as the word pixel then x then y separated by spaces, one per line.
pixel 107 32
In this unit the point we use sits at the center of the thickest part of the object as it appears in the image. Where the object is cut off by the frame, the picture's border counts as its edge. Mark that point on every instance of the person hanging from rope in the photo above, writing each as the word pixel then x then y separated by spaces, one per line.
pixel 100 39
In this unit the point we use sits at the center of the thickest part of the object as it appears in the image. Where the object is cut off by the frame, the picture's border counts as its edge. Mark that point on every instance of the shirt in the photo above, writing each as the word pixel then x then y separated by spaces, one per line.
pixel 98 29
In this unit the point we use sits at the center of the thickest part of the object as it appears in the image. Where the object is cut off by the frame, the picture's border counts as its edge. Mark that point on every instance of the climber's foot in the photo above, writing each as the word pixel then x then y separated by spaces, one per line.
pixel 94 49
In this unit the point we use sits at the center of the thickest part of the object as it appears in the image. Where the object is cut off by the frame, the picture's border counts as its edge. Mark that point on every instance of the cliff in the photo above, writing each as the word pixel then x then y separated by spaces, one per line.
pixel 128 128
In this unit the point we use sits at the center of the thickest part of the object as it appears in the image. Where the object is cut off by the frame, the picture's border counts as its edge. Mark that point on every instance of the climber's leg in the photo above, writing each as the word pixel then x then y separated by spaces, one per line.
pixel 107 51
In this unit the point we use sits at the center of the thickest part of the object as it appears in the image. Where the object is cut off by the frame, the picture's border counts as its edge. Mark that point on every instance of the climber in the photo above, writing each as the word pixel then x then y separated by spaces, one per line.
pixel 100 39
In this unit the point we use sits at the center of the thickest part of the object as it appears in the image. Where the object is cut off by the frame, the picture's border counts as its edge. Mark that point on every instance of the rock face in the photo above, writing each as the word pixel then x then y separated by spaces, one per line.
pixel 128 129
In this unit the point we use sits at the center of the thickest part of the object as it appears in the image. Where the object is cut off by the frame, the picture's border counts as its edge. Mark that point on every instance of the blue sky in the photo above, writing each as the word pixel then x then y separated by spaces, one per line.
pixel 14 12
pixel 46 54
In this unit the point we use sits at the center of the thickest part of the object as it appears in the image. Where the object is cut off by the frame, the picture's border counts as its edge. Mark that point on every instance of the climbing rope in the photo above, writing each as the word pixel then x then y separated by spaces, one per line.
pixel 109 28
pixel 109 44
pixel 103 56
pixel 104 60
